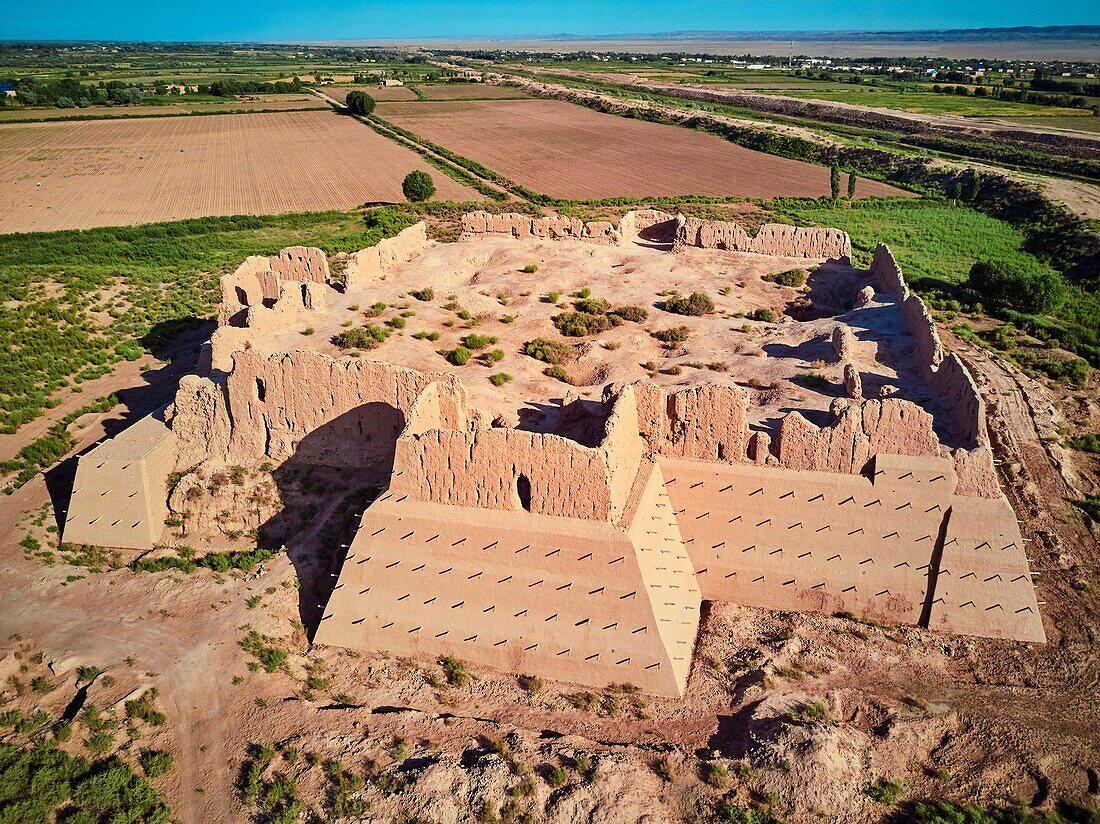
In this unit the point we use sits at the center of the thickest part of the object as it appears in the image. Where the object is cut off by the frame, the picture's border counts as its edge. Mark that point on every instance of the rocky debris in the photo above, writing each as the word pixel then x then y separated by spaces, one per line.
pixel 853 386
pixel 887 390
pixel 865 298
pixel 843 342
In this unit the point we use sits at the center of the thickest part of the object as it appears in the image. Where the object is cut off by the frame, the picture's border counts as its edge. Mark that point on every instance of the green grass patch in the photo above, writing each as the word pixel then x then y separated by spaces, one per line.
pixel 74 303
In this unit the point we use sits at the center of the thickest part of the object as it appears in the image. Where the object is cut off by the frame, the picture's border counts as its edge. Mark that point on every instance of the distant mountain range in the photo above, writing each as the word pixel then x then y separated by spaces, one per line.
pixel 1088 34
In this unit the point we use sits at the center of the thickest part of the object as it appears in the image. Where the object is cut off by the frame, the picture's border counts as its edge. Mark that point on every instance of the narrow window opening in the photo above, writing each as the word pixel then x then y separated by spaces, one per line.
pixel 523 490
pixel 721 452
pixel 261 390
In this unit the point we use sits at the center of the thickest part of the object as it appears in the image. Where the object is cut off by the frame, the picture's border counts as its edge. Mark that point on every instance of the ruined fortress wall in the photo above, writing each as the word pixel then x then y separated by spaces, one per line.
pixel 706 422
pixel 950 378
pixel 516 591
pixel 955 384
pixel 859 432
pixel 624 449
pixel 773 239
pixel 309 405
pixel 779 240
pixel 887 273
pixel 984 586
pixel 260 279
pixel 493 468
pixel 120 491
pixel 929 351
pixel 526 227
pixel 370 265
pixel 647 224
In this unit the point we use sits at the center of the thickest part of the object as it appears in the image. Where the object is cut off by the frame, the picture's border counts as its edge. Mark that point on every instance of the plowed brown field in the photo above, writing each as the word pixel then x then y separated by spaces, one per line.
pixel 124 172
pixel 567 151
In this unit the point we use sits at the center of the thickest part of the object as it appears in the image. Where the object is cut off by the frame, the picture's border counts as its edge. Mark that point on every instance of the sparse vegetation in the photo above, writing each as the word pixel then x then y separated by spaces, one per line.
pixel 696 304
pixel 549 351
pixel 673 335
pixel 500 378
pixel 795 278
pixel 886 791
pixel 581 324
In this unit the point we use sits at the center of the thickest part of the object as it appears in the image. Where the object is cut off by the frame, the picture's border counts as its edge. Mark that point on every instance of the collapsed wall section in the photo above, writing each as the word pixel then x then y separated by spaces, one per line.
pixel 370 265
pixel 120 491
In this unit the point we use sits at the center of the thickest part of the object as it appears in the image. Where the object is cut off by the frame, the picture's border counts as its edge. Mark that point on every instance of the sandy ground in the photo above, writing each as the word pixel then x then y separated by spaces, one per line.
pixel 484 277
pixel 568 151
pixel 951 717
pixel 103 173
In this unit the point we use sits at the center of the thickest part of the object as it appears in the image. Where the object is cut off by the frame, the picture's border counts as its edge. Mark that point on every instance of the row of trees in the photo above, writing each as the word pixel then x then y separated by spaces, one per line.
pixel 231 88
pixel 1016 95
pixel 834 183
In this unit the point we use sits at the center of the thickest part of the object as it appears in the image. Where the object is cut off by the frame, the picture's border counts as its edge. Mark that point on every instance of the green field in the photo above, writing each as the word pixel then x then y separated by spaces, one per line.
pixel 884 97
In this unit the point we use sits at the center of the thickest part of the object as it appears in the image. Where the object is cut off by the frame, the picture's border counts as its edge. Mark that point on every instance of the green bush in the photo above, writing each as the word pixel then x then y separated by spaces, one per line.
pixel 558 373
pixel 500 378
pixel 359 102
pixel 580 324
pixel 672 335
pixel 886 791
pixel 493 356
pixel 591 306
pixel 696 304
pixel 1034 289
pixel 766 315
pixel 792 277
pixel 459 356
pixel 155 762
pixel 417 186
pixel 549 351
pixel 556 776
pixel 635 314
pixel 530 269
pixel 365 337
pixel 425 294
pixel 1086 443
pixel 475 342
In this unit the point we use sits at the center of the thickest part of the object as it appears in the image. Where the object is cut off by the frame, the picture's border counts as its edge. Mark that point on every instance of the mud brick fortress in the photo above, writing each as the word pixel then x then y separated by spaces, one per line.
pixel 533 550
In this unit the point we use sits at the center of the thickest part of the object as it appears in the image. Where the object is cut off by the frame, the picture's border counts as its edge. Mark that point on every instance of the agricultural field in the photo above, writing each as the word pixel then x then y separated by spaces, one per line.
pixel 123 172
pixel 266 103
pixel 377 92
pixel 885 97
pixel 469 91
pixel 569 152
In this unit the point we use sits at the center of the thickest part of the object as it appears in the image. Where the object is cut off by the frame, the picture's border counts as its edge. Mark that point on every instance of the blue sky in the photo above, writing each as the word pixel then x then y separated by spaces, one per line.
pixel 308 20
